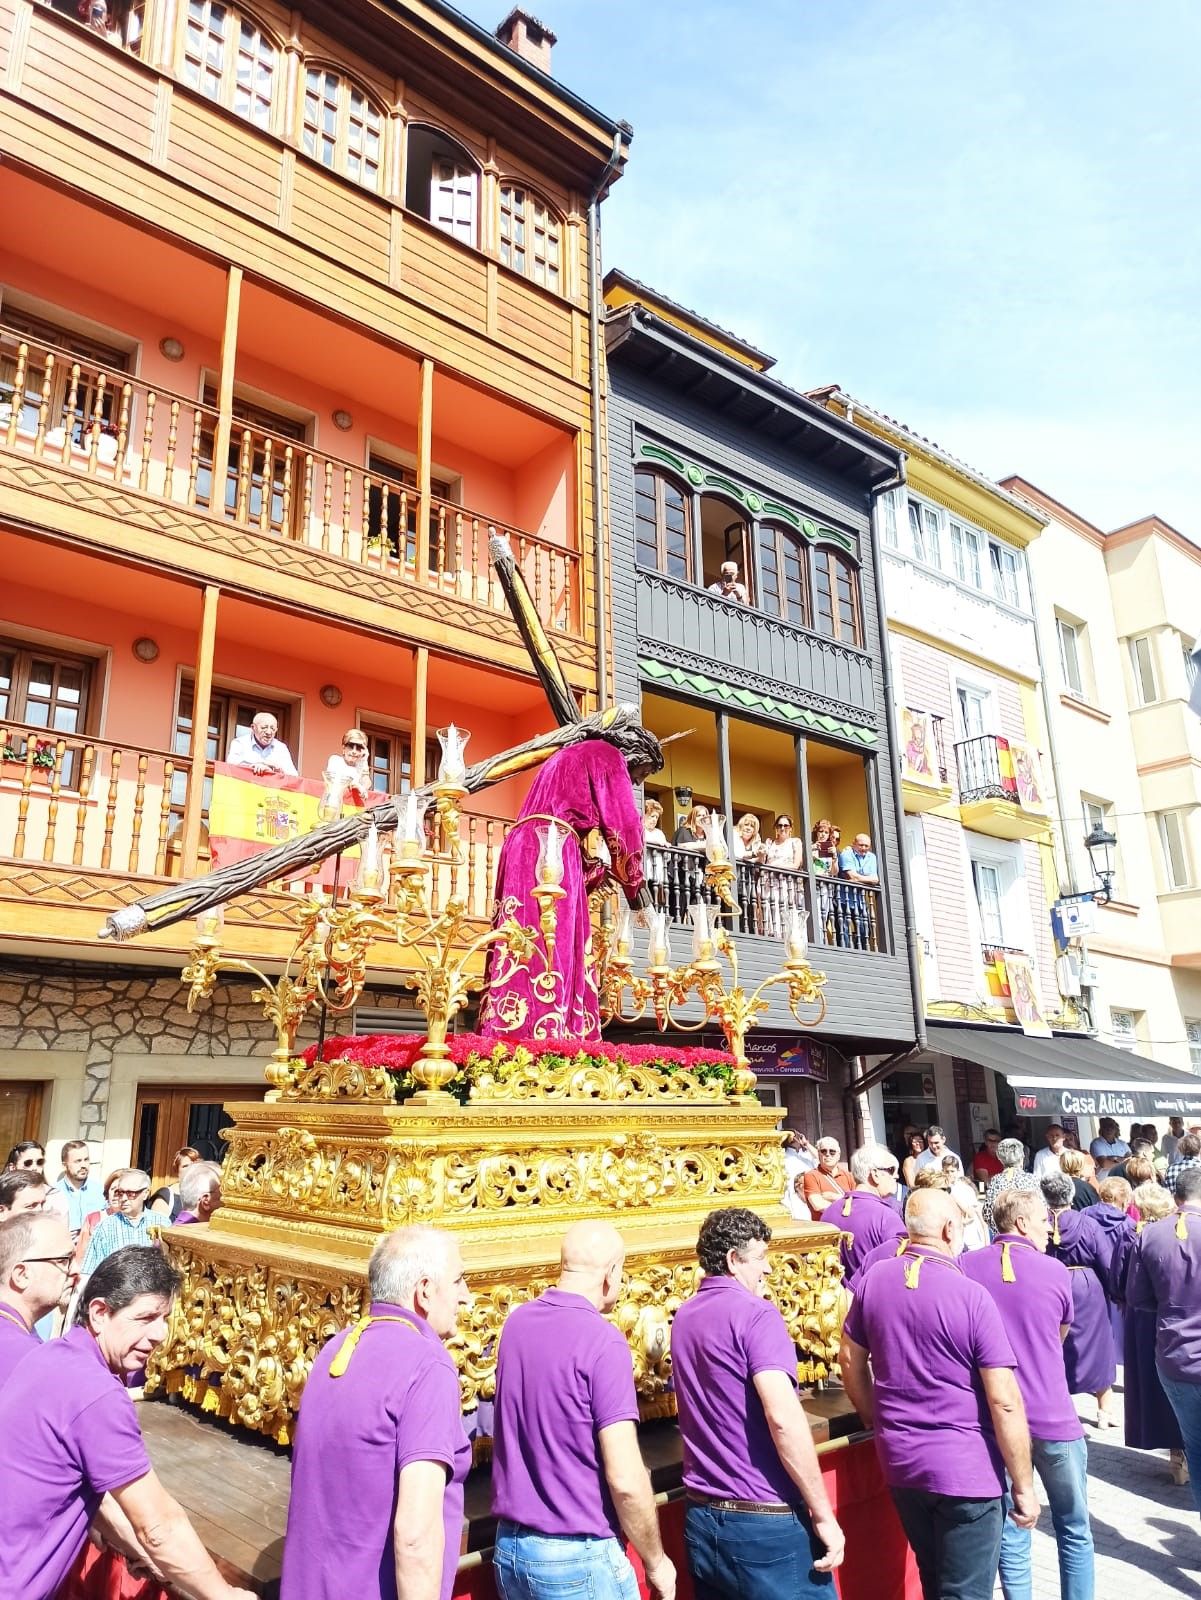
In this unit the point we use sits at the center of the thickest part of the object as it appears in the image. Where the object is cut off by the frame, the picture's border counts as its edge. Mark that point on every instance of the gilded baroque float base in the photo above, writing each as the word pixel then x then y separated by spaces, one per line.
pixel 311 1184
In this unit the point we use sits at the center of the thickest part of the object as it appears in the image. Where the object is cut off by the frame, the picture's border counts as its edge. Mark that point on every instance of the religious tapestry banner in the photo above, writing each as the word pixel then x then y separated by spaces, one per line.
pixel 1023 995
pixel 919 752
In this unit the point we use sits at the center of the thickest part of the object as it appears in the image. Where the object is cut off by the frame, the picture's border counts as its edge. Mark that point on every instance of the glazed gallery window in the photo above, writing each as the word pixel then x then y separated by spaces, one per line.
pixel 966 544
pixel 924 533
pixel 836 597
pixel 783 565
pixel 662 526
pixel 442 183
pixel 886 518
pixel 342 127
pixel 229 58
pixel 990 900
pixel 75 398
pixel 530 236
pixel 1003 563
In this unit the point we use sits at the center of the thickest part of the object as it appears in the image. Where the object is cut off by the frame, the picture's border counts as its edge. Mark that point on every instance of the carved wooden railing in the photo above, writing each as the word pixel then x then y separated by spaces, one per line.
pixel 113 427
pixel 75 801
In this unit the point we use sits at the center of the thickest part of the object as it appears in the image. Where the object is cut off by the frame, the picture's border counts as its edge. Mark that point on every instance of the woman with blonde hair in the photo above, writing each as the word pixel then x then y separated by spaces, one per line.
pixel 1150 1421
pixel 1074 1163
pixel 749 844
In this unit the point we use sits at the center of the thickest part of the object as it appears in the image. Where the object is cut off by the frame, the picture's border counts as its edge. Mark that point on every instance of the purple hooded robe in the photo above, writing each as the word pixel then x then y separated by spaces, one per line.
pixel 586 786
pixel 1088 1353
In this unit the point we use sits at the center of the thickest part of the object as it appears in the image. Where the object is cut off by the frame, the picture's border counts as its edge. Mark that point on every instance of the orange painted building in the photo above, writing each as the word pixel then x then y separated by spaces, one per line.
pixel 343 253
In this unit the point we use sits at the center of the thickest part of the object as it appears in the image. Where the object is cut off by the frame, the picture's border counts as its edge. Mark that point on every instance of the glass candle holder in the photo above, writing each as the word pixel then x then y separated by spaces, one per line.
pixel 210 923
pixel 412 823
pixel 332 796
pixel 621 930
pixel 702 936
pixel 551 838
pixel 796 938
pixel 371 863
pixel 717 848
pixel 452 768
pixel 660 951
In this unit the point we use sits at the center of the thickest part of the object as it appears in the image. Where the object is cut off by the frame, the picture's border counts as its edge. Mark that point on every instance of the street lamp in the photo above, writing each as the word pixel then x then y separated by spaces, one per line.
pixel 1100 845
pixel 683 794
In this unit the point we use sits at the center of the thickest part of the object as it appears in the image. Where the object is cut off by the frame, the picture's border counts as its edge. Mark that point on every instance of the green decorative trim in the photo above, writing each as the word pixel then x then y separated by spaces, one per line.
pixel 756 504
pixel 751 700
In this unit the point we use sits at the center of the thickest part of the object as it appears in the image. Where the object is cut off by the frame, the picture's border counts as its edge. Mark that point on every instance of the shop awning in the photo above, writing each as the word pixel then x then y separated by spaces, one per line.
pixel 1070 1074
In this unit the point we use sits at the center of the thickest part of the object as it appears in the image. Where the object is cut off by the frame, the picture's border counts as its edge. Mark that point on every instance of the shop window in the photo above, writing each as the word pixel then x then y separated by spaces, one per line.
pixel 530 236
pixel 342 127
pixel 662 526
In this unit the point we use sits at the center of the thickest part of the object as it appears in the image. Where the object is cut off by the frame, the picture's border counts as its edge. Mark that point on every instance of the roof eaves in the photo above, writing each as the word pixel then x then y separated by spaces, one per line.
pixel 616 276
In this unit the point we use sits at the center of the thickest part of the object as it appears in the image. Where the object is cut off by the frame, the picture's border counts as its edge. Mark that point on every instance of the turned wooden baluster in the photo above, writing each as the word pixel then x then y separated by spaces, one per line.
pixel 472 823
pixel 23 803
pixel 69 413
pixel 39 438
pixel 123 429
pixel 139 800
pixel 480 551
pixel 242 497
pixel 172 442
pixel 164 820
pixel 56 783
pixel 18 394
pixel 440 544
pixel 147 441
pixel 96 425
pixel 285 496
pixel 268 489
pixel 326 506
pixel 194 461
pixel 306 496
pixel 347 488
pixel 110 810
pixel 365 516
pixel 460 564
pixel 81 804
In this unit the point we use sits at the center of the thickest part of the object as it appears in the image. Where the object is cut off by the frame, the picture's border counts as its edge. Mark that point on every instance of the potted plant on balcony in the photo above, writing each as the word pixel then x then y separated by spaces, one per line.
pixel 18 754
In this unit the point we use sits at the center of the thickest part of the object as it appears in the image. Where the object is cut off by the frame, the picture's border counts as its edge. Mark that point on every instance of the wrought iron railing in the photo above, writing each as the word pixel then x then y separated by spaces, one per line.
pixel 978 762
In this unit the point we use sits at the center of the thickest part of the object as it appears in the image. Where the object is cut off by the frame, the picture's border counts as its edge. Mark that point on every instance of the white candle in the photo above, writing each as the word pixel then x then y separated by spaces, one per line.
pixel 621 931
pixel 660 951
pixel 702 938
pixel 796 942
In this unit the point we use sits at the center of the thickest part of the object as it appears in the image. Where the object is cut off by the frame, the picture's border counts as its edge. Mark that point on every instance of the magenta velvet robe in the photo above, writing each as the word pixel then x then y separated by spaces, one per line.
pixel 585 786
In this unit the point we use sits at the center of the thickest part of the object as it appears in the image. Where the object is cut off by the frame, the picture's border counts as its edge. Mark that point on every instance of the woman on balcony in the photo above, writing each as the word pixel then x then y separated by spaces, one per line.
pixel 655 860
pixel 749 850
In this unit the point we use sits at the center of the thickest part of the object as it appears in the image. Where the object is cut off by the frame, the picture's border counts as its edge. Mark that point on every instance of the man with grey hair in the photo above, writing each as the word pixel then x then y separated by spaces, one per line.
pixel 1011 1153
pixel 918 1327
pixel 35 1269
pixel 380 1454
pixel 199 1192
pixel 868 1216
pixel 129 1223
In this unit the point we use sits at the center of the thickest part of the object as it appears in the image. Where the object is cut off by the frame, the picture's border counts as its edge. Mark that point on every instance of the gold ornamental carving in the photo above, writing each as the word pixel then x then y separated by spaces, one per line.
pixel 590 1079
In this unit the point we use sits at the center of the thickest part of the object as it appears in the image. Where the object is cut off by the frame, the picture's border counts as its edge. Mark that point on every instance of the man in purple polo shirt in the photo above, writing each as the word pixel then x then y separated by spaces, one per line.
pixel 567 1475
pixel 380 1453
pixel 82 1463
pixel 869 1215
pixel 759 1525
pixel 199 1192
pixel 926 1364
pixel 1033 1293
pixel 35 1268
pixel 1165 1277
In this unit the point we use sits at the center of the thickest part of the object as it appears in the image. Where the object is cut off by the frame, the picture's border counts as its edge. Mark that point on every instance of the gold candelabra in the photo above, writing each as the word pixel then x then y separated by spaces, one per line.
pixel 666 986
pixel 388 901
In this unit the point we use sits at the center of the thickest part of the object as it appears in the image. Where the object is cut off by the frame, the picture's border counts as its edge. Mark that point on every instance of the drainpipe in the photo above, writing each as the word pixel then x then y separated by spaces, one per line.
pixel 894 757
pixel 599 551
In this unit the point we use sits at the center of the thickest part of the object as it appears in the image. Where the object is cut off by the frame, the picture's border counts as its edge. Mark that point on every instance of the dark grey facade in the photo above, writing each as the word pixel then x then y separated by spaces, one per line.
pixel 679 407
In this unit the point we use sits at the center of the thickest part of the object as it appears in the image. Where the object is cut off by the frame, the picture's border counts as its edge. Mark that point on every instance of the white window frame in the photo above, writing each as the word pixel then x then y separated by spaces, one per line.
pixel 1187 646
pixel 982 871
pixel 1009 862
pixel 1177 863
pixel 967 689
pixel 925 532
pixel 1144 667
pixel 966 547
pixel 1070 636
pixel 1192 1033
pixel 886 520
pixel 1004 565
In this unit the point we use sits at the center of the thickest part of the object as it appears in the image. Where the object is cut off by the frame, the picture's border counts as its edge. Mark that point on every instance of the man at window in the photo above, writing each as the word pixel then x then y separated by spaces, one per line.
pixel 729 586
pixel 858 864
pixel 260 750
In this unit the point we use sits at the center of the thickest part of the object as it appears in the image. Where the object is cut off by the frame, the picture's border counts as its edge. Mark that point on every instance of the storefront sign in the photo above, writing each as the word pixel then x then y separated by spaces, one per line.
pixel 1098 1102
pixel 778 1056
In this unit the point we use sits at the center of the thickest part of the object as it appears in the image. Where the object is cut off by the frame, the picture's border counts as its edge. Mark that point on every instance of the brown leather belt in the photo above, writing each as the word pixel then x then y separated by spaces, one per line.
pixel 760 1508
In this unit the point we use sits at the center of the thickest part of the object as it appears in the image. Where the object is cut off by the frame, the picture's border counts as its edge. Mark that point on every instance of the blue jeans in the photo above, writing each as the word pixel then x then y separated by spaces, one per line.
pixel 1062 1464
pixel 1185 1400
pixel 957 1542
pixel 746 1555
pixel 556 1566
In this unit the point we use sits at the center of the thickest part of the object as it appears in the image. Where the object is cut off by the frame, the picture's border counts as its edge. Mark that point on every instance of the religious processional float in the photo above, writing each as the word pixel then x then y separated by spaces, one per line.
pixel 505 1136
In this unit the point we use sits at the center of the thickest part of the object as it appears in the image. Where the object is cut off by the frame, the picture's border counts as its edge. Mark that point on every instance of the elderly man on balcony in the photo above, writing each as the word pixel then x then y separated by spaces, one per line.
pixel 260 750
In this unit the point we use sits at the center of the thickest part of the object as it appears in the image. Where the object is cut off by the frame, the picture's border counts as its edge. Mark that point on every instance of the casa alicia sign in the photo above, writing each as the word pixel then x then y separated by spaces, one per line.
pixel 1095 1101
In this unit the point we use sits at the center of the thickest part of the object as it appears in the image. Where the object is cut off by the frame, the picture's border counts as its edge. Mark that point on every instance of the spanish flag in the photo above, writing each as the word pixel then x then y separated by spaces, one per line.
pixel 249 814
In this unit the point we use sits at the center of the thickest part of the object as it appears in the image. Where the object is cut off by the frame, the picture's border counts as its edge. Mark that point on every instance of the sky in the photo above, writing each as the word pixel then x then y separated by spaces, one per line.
pixel 982 218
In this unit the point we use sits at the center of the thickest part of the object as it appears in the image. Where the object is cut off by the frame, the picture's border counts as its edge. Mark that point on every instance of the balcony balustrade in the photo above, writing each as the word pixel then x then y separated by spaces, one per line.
pixel 112 427
pixel 925 780
pixel 1000 789
pixel 82 808
pixel 842 915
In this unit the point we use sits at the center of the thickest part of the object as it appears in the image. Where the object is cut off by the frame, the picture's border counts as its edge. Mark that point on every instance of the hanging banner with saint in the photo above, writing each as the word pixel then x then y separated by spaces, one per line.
pixel 1023 995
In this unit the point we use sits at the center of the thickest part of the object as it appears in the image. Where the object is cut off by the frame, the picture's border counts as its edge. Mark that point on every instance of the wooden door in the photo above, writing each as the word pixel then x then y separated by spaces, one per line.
pixel 20 1114
pixel 169 1116
pixel 452 198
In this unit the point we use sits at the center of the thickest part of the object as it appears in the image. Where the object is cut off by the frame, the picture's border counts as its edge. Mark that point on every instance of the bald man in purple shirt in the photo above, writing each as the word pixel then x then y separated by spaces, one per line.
pixel 1033 1293
pixel 1165 1277
pixel 926 1363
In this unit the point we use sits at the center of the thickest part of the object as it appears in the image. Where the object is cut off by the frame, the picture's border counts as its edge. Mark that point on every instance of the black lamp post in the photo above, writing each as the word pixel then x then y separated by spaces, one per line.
pixel 1100 844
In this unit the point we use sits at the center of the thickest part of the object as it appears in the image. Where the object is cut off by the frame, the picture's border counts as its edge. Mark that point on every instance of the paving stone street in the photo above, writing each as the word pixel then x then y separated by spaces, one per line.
pixel 1147 1534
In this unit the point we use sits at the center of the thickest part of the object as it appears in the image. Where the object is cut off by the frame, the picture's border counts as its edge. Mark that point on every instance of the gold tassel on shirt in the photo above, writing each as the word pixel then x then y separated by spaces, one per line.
pixel 1181 1225
pixel 913 1272
pixel 846 1206
pixel 1008 1275
pixel 342 1360
pixel 1055 1239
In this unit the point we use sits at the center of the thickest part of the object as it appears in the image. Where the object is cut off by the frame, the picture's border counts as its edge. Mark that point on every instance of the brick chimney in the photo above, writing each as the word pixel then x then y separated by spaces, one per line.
pixel 527 37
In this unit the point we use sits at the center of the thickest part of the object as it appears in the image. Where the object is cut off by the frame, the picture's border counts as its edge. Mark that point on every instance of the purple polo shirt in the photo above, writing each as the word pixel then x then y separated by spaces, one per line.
pixel 927 1344
pixel 397 1402
pixel 888 1251
pixel 1033 1308
pixel 16 1341
pixel 562 1375
pixel 866 1220
pixel 78 1438
pixel 1165 1277
pixel 720 1339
